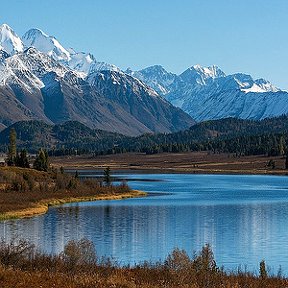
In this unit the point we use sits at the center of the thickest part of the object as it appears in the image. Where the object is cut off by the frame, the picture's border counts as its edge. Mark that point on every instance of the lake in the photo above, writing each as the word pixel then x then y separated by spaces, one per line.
pixel 244 218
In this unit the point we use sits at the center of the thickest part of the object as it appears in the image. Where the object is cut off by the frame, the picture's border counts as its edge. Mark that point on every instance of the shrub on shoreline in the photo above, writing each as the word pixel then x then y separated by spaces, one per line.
pixel 78 266
pixel 24 188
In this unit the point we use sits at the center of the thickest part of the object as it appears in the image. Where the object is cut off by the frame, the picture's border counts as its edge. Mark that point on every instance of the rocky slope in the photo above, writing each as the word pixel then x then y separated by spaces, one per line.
pixel 40 79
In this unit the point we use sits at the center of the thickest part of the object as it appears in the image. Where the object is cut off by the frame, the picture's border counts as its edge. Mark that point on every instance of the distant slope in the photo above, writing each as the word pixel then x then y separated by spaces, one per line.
pixel 33 135
pixel 225 135
pixel 207 93
pixel 243 137
pixel 138 100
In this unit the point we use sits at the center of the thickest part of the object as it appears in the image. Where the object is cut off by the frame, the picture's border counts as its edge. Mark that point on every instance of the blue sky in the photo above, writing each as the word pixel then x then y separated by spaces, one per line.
pixel 248 36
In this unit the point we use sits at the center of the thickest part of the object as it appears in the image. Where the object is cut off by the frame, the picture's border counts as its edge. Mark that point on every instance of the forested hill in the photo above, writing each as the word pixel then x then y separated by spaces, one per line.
pixel 62 138
pixel 225 135
pixel 224 129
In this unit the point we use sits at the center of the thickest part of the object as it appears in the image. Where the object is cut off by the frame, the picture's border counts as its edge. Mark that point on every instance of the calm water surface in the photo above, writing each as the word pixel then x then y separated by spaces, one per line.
pixel 243 218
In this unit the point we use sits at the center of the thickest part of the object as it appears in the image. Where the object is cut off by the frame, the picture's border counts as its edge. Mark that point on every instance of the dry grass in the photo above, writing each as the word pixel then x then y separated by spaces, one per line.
pixel 26 192
pixel 190 162
pixel 78 266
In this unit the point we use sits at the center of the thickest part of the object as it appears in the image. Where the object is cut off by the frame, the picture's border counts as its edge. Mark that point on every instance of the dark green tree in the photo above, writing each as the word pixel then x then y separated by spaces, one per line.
pixel 76 175
pixel 282 147
pixel 21 159
pixel 262 270
pixel 107 176
pixel 271 164
pixel 41 162
pixel 286 162
pixel 12 149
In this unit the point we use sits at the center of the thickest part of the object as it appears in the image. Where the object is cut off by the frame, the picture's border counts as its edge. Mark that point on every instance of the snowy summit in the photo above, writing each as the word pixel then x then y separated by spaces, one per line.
pixel 9 41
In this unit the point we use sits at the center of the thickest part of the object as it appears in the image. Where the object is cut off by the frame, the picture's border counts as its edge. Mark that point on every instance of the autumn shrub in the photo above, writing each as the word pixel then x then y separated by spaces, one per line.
pixel 79 253
pixel 15 252
pixel 21 266
pixel 61 181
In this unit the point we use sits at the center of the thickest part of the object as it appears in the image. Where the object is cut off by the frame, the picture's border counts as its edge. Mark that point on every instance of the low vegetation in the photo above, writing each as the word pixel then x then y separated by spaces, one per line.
pixel 21 265
pixel 26 192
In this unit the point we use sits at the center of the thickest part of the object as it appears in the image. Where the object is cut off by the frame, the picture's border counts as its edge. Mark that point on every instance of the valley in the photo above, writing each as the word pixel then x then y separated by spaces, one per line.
pixel 198 158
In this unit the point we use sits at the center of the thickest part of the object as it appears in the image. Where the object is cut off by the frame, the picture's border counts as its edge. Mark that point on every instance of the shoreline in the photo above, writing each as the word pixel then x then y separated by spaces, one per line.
pixel 43 206
pixel 157 170
pixel 188 162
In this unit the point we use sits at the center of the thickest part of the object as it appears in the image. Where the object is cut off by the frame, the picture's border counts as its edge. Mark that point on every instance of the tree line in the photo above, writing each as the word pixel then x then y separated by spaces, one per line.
pixel 237 136
pixel 20 158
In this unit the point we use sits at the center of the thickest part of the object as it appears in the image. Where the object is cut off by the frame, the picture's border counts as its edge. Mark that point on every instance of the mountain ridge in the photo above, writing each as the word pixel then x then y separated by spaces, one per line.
pixel 203 92
pixel 207 93
pixel 42 85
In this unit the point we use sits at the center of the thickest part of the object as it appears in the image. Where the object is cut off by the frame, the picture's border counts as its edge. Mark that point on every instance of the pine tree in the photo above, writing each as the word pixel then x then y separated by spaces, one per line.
pixel 262 270
pixel 12 149
pixel 282 146
pixel 107 176
pixel 286 162
pixel 41 162
pixel 21 159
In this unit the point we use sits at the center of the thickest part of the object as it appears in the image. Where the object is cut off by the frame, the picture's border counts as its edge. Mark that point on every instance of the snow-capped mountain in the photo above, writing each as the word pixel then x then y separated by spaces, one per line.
pixel 156 77
pixel 46 44
pixel 41 79
pixel 41 85
pixel 208 93
pixel 141 101
pixel 82 62
pixel 9 41
pixel 200 76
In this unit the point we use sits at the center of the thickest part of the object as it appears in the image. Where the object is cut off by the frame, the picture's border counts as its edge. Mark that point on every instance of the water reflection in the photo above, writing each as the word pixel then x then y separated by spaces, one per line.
pixel 240 230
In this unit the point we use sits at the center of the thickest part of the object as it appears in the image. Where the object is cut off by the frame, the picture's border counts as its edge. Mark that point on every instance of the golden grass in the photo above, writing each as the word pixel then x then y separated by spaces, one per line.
pixel 43 206
pixel 28 202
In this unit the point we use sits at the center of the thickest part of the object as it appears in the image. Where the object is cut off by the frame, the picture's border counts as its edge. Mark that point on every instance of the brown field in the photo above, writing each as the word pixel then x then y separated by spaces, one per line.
pixel 192 162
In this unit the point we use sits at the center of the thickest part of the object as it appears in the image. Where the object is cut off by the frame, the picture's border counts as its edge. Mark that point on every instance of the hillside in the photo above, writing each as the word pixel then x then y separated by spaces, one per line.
pixel 69 136
pixel 225 135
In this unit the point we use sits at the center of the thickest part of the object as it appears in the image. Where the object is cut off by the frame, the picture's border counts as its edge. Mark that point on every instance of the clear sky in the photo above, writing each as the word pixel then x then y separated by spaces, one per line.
pixel 249 36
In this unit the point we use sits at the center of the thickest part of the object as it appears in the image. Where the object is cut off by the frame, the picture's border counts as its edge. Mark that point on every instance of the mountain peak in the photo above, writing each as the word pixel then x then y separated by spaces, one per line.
pixel 155 69
pixel 46 44
pixel 200 75
pixel 9 41
pixel 34 32
pixel 82 62
pixel 5 26
pixel 156 77
pixel 209 72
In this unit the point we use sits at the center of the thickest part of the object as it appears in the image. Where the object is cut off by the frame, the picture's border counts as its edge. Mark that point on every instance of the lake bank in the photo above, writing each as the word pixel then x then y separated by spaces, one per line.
pixel 42 206
pixel 186 211
pixel 27 192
